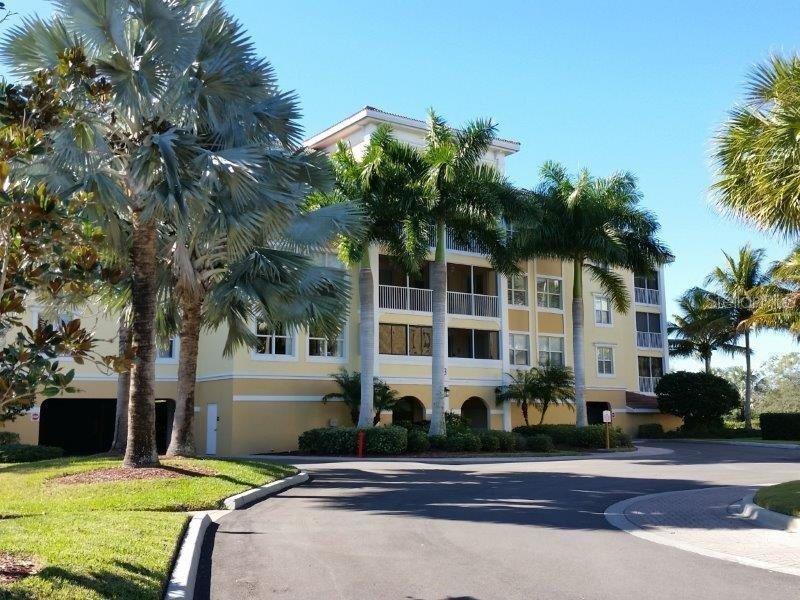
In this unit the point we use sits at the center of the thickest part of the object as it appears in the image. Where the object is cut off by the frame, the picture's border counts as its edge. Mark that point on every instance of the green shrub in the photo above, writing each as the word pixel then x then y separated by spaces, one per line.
pixel 562 435
pixel 438 442
pixel 650 431
pixel 700 399
pixel 508 441
pixel 386 441
pixel 569 436
pixel 472 443
pixel 329 441
pixel 8 437
pixel 540 443
pixel 456 424
pixel 780 426
pixel 14 453
pixel 520 441
pixel 418 441
pixel 489 441
pixel 463 442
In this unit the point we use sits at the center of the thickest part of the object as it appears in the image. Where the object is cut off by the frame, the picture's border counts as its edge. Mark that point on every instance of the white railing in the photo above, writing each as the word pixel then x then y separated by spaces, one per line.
pixel 400 297
pixel 452 244
pixel 646 339
pixel 647 385
pixel 646 296
pixel 479 305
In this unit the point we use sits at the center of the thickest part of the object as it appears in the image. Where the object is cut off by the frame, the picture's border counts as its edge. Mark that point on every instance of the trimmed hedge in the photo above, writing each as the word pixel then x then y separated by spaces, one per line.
pixel 489 442
pixel 337 441
pixel 540 443
pixel 418 441
pixel 700 399
pixel 463 442
pixel 8 437
pixel 780 426
pixel 438 442
pixel 589 437
pixel 14 453
pixel 650 431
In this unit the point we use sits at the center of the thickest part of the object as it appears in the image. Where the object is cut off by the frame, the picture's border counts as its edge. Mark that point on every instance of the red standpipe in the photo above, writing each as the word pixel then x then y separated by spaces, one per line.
pixel 361 444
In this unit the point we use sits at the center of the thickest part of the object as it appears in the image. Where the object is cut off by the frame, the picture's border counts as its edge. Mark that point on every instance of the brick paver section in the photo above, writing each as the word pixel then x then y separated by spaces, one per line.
pixel 701 520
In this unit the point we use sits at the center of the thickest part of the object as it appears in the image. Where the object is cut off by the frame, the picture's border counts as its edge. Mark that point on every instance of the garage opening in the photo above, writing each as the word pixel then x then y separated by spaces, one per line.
pixel 86 425
pixel 594 411
pixel 408 409
pixel 474 410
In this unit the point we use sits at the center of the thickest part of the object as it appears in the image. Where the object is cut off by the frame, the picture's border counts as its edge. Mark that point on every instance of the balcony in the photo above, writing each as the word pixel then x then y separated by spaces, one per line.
pixel 646 296
pixel 471 246
pixel 395 297
pixel 647 385
pixel 646 339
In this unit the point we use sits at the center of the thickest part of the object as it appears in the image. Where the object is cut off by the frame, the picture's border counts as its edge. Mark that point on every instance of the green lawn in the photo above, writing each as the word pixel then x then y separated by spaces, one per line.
pixel 113 539
pixel 783 498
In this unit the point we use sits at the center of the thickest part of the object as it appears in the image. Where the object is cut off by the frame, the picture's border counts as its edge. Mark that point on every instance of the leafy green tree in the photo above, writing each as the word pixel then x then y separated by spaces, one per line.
pixel 467 199
pixel 700 399
pixel 597 225
pixel 702 327
pixel 777 384
pixel 740 284
pixel 756 150
pixel 349 392
pixel 540 387
pixel 153 95
pixel 385 185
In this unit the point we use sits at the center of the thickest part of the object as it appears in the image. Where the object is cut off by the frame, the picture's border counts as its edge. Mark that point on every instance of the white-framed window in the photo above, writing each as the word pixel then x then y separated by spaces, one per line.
pixel 605 361
pixel 167 351
pixel 519 348
pixel 602 310
pixel 549 293
pixel 321 346
pixel 551 350
pixel 277 341
pixel 518 290
pixel 328 259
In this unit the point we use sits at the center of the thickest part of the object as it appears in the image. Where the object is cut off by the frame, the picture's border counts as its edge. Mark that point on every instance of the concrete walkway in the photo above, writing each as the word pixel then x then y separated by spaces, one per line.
pixel 704 522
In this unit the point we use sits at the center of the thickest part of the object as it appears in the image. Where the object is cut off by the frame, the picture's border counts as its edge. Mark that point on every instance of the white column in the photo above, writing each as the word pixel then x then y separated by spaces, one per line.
pixel 374 255
pixel 662 301
pixel 502 302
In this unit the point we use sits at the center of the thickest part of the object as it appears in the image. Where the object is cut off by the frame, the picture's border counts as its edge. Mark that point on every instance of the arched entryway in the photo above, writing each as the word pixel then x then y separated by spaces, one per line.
pixel 408 409
pixel 475 411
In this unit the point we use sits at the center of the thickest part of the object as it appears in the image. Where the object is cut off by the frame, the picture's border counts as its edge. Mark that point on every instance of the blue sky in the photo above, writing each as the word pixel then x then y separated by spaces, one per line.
pixel 638 86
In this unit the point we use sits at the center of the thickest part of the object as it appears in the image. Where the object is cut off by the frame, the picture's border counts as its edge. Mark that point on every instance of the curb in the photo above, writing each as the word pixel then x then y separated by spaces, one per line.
pixel 615 515
pixel 184 571
pixel 249 496
pixel 726 442
pixel 747 508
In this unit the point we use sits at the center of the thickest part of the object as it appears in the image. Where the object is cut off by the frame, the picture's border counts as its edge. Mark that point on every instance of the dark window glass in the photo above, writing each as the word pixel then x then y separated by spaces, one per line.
pixel 459 343
pixel 487 344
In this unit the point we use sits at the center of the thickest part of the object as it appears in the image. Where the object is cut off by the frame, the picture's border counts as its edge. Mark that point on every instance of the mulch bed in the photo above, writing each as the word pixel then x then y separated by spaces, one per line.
pixel 128 474
pixel 14 568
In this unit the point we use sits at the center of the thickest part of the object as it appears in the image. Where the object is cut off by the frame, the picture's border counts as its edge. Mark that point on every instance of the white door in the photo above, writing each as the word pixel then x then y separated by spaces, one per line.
pixel 211 429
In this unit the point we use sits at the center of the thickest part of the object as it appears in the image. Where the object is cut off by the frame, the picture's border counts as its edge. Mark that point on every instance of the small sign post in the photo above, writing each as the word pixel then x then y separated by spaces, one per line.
pixel 607 418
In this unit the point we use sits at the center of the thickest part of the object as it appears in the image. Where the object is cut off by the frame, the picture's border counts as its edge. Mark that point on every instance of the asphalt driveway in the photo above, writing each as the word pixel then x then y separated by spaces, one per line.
pixel 405 530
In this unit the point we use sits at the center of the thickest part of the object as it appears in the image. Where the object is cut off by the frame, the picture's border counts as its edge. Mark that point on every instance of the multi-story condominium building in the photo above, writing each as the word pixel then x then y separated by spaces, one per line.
pixel 260 400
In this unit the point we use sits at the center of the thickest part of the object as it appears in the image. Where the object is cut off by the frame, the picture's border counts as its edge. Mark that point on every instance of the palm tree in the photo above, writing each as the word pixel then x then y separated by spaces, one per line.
pixel 541 387
pixel 598 225
pixel 756 150
pixel 702 327
pixel 350 393
pixel 740 284
pixel 146 92
pixel 467 198
pixel 384 185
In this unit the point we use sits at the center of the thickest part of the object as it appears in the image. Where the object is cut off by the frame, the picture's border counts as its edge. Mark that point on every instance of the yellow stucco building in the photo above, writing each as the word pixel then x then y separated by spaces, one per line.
pixel 260 400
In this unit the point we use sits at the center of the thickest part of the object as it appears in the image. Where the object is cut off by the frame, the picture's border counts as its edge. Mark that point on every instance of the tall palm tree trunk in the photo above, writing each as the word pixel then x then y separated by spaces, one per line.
pixel 141 448
pixel 439 342
pixel 120 439
pixel 366 335
pixel 707 362
pixel 748 382
pixel 182 439
pixel 524 407
pixel 577 344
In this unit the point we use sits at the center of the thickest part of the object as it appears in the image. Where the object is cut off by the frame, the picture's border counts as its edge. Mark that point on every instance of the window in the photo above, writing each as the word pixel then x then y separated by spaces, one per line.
pixel 651 366
pixel 648 322
pixel 473 343
pixel 602 310
pixel 459 343
pixel 548 293
pixel 420 340
pixel 327 259
pixel 551 350
pixel 273 341
pixel 605 360
pixel 647 281
pixel 486 344
pixel 518 290
pixel 519 348
pixel 166 350
pixel 323 346
pixel 392 339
